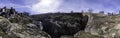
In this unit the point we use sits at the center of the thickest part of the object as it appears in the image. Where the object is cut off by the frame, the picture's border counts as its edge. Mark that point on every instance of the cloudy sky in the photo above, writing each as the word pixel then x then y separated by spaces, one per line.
pixel 45 6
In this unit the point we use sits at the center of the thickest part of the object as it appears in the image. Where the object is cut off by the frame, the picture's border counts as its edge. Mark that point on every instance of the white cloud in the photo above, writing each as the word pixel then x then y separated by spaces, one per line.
pixel 45 6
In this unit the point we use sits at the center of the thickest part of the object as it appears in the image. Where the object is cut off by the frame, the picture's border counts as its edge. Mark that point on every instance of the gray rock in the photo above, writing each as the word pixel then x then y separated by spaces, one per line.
pixel 66 36
pixel 20 30
pixel 62 24
pixel 82 34
pixel 106 26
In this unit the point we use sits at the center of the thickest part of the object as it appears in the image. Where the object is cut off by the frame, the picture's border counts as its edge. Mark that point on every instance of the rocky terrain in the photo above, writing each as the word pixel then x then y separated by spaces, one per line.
pixel 62 24
pixel 80 25
pixel 59 25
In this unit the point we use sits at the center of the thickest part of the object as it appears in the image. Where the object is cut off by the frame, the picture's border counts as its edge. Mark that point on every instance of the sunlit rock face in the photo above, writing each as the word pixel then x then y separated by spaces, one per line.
pixel 82 34
pixel 9 28
pixel 104 26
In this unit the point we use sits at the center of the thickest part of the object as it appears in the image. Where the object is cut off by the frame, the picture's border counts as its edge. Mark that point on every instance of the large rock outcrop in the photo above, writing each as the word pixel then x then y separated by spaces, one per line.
pixel 104 25
pixel 20 30
pixel 60 24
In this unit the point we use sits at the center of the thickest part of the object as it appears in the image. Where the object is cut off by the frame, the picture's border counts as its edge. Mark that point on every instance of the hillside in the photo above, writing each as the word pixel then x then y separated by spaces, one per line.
pixel 59 25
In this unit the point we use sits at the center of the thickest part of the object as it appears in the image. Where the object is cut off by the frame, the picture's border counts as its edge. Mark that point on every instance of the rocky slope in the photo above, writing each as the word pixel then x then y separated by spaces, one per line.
pixel 60 25
pixel 102 26
pixel 105 26
pixel 20 27
pixel 80 25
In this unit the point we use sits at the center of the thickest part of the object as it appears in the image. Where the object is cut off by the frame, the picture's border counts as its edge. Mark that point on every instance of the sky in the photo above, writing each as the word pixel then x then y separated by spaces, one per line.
pixel 46 6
